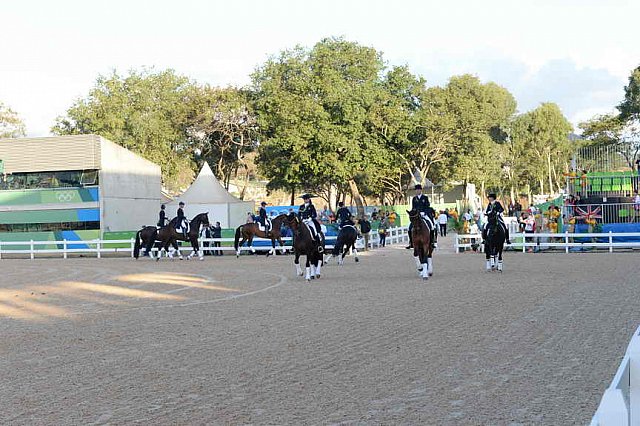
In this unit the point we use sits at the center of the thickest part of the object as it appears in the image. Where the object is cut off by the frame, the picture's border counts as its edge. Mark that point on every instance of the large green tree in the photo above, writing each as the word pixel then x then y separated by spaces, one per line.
pixel 11 126
pixel 147 112
pixel 313 108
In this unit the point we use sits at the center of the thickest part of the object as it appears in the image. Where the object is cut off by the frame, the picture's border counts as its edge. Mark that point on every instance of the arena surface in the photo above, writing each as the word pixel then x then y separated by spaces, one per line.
pixel 244 341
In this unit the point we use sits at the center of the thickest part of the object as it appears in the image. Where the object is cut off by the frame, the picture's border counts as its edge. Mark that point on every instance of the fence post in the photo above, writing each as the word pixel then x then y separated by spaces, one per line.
pixel 64 248
pixel 132 245
pixel 524 242
pixel 32 253
pixel 456 247
pixel 566 242
pixel 610 242
pixel 98 248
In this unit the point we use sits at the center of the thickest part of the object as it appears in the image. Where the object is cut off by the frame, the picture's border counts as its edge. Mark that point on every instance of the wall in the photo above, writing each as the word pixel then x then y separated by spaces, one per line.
pixel 129 189
pixel 77 152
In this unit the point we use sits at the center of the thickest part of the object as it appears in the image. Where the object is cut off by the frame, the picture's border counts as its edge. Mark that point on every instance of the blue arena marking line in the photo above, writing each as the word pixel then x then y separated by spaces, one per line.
pixel 88 215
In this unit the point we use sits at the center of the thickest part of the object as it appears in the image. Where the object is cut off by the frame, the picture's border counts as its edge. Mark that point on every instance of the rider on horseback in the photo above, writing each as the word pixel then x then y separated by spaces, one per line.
pixel 421 204
pixel 264 219
pixel 162 217
pixel 494 207
pixel 344 216
pixel 307 213
pixel 181 222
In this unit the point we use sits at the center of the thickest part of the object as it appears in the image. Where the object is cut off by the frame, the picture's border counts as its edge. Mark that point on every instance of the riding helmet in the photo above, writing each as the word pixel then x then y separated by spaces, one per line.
pixel 418 186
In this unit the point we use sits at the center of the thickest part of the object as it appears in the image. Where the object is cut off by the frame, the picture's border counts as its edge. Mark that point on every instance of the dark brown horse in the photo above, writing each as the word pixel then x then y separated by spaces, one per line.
pixel 304 244
pixel 422 248
pixel 167 235
pixel 249 231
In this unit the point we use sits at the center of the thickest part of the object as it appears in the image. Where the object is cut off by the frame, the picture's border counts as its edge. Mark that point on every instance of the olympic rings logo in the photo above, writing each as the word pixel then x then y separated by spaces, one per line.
pixel 65 196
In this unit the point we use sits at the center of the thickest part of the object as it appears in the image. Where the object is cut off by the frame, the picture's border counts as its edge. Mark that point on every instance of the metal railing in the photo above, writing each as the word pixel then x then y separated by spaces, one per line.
pixel 610 213
pixel 99 247
pixel 603 184
pixel 563 241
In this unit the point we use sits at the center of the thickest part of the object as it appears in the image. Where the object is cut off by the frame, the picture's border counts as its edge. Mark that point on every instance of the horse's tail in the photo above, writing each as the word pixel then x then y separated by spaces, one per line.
pixel 136 246
pixel 237 237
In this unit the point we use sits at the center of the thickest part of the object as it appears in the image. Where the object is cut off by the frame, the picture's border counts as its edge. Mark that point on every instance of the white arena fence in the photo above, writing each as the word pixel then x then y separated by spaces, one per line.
pixel 563 241
pixel 620 403
pixel 100 247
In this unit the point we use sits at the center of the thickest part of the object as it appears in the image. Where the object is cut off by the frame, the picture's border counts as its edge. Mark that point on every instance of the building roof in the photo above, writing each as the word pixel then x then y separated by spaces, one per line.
pixel 206 189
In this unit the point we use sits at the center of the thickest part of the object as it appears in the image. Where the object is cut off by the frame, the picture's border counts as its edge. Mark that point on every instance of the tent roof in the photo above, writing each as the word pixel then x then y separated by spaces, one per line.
pixel 206 189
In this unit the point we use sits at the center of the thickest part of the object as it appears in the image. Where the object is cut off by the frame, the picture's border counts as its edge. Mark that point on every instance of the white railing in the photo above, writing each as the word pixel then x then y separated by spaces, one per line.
pixel 620 403
pixel 566 241
pixel 99 247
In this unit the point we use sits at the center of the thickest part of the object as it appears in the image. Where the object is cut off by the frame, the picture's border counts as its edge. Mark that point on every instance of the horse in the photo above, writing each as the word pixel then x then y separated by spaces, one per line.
pixel 346 241
pixel 494 242
pixel 422 248
pixel 168 235
pixel 304 244
pixel 249 231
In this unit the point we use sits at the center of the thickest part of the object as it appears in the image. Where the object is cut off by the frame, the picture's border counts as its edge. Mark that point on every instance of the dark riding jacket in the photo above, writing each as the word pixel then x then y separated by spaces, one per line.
pixel 162 218
pixel 344 215
pixel 180 215
pixel 306 212
pixel 496 207
pixel 421 204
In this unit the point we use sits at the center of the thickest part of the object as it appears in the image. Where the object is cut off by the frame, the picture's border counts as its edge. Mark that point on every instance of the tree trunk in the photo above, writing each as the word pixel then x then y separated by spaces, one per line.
pixel 293 196
pixel 551 185
pixel 355 196
pixel 541 185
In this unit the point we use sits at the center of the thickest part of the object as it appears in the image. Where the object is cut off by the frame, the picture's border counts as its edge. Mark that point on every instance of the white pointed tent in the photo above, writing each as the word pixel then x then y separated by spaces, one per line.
pixel 206 194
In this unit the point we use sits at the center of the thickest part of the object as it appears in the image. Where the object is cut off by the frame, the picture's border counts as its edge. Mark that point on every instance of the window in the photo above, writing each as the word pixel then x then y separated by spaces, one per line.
pixel 39 180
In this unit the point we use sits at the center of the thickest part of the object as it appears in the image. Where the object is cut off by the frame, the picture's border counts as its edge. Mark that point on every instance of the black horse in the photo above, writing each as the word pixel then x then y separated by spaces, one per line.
pixel 494 242
pixel 346 241
pixel 422 248
pixel 304 244
pixel 167 235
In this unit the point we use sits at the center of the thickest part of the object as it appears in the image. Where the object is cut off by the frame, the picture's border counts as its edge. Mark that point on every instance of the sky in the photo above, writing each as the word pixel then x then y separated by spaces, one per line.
pixel 577 53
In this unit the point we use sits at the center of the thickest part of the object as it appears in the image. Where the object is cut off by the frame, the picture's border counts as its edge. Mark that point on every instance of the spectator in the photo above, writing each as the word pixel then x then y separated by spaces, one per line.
pixel 636 201
pixel 382 231
pixel 467 216
pixel 249 217
pixel 216 232
pixel 529 228
pixel 392 219
pixel 442 221
pixel 365 228
pixel 474 230
pixel 517 209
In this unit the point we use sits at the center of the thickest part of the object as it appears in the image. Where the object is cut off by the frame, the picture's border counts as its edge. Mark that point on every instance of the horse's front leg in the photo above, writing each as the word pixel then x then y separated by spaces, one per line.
pixel 240 244
pixel 296 261
pixel 251 245
pixel 500 261
pixel 308 269
pixel 424 265
pixel 282 249
pixel 319 260
pixel 416 257
pixel 273 248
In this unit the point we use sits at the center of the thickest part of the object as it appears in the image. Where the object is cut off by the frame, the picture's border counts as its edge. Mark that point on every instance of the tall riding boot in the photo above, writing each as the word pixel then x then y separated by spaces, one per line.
pixel 410 246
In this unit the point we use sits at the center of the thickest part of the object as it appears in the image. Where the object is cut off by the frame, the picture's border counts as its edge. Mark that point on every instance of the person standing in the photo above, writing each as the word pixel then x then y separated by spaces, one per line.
pixel 382 231
pixel 216 232
pixel 162 217
pixel 442 221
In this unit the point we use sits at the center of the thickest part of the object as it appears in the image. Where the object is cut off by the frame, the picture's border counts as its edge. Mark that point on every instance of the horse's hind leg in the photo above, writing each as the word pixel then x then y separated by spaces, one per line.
pixel 354 250
pixel 425 265
pixel 430 264
pixel 318 264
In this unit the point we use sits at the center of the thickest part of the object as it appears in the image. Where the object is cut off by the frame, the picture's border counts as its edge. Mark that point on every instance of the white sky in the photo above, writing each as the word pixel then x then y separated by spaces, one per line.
pixel 577 53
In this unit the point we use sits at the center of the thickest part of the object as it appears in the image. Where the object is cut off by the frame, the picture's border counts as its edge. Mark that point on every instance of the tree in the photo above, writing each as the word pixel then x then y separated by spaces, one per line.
pixel 11 126
pixel 147 112
pixel 541 146
pixel 313 108
pixel 630 106
pixel 225 130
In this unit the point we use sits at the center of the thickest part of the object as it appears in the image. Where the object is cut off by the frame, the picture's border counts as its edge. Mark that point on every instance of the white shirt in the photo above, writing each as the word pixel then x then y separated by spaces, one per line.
pixel 467 216
pixel 442 219
pixel 637 199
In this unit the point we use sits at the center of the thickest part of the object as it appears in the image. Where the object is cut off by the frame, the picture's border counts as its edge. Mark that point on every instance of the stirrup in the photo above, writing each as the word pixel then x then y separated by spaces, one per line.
pixel 320 249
